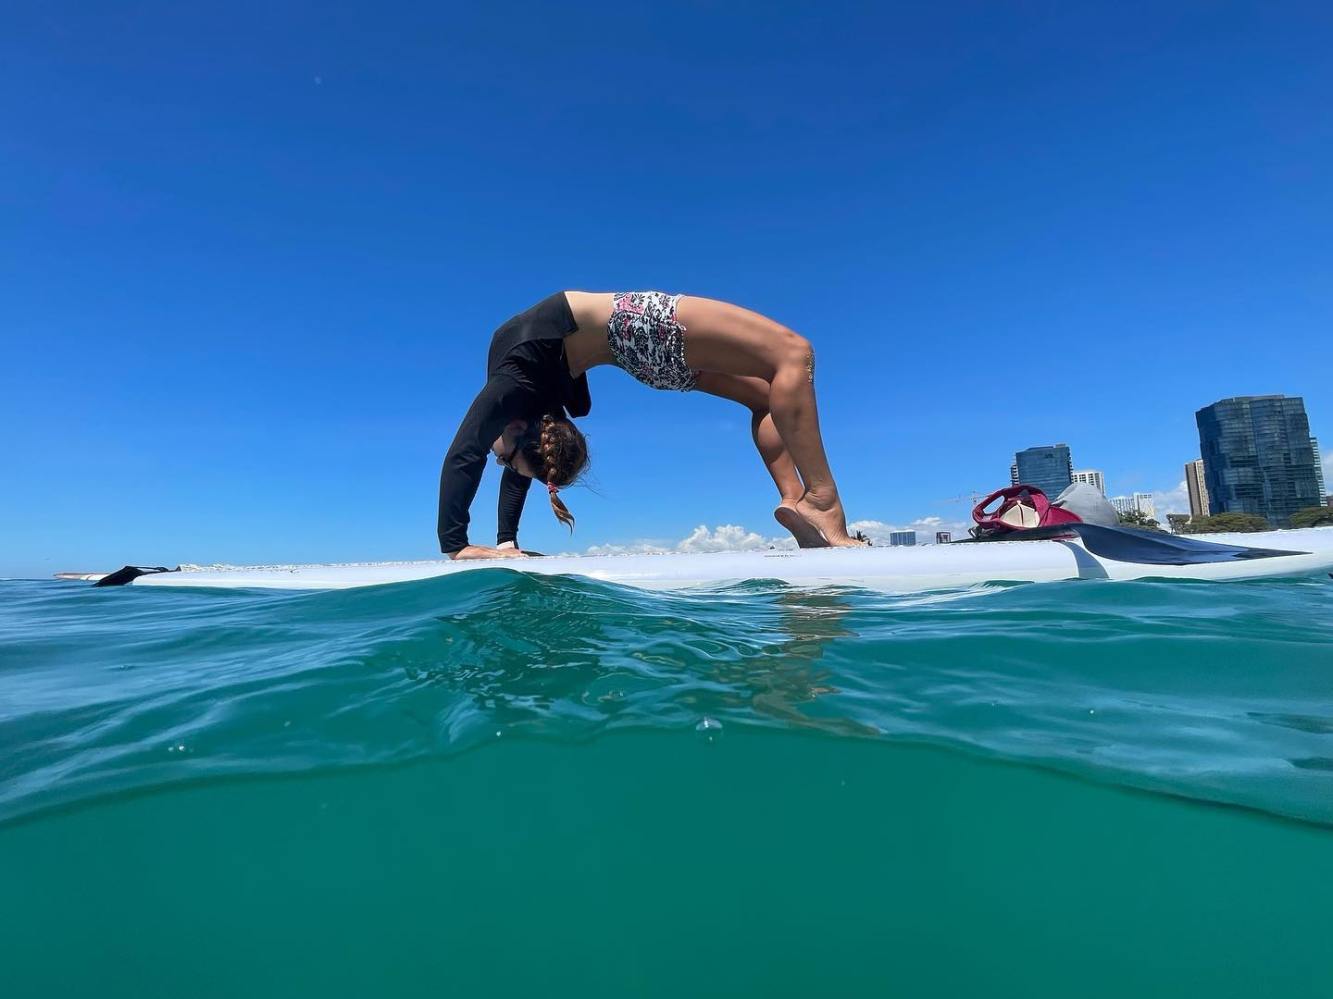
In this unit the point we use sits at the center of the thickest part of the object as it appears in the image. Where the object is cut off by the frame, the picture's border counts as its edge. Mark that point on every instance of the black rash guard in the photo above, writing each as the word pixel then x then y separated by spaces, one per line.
pixel 526 377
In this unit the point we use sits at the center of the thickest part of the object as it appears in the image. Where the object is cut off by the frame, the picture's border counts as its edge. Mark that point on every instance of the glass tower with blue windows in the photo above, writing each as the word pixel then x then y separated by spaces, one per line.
pixel 1257 456
pixel 1050 469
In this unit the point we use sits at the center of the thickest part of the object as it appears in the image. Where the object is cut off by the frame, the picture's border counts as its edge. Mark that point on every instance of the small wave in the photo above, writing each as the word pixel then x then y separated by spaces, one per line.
pixel 1217 691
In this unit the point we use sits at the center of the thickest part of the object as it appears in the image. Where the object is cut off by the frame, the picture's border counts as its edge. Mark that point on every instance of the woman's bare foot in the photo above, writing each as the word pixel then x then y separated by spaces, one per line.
pixel 826 516
pixel 805 533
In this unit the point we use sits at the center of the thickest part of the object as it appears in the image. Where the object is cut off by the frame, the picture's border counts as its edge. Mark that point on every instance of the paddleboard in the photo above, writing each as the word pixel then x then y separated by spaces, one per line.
pixel 1103 553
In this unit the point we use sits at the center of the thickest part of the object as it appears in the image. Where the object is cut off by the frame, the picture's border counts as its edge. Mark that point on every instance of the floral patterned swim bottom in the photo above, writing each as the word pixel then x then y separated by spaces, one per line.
pixel 648 341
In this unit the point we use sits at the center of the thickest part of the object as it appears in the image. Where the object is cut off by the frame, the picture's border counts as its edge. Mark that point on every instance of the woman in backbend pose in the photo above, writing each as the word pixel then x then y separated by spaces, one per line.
pixel 536 376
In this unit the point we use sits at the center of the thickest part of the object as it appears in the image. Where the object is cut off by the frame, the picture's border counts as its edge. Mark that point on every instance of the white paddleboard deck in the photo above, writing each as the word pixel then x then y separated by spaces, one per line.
pixel 898 570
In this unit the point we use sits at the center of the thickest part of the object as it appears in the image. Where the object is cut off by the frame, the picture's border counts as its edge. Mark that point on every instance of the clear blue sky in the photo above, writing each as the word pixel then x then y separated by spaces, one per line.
pixel 251 254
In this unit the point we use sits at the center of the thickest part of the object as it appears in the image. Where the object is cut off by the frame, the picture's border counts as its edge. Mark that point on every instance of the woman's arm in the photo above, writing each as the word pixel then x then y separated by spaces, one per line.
pixel 513 491
pixel 460 475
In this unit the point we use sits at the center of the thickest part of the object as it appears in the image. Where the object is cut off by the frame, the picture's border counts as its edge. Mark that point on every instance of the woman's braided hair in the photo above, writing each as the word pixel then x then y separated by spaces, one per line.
pixel 559 452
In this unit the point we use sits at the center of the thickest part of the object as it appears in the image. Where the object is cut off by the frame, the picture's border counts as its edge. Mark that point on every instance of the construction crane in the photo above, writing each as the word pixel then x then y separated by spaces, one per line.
pixel 973 497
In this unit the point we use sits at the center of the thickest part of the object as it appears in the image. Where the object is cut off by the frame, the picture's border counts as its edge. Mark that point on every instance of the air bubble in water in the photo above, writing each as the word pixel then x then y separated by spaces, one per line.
pixel 710 729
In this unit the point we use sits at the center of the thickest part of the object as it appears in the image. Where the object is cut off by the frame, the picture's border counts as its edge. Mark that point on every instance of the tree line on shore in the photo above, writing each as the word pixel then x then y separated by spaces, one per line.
pixel 1238 523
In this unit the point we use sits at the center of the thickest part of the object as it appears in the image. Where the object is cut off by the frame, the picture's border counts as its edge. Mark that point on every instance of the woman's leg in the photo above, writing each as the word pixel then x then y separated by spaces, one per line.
pixel 753 394
pixel 730 340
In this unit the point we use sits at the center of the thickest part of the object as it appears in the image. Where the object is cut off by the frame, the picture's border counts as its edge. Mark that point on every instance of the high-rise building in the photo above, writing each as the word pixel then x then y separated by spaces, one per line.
pixel 898 539
pixel 1318 465
pixel 1050 468
pixel 943 537
pixel 1013 474
pixel 1197 488
pixel 1257 456
pixel 1137 503
pixel 1092 477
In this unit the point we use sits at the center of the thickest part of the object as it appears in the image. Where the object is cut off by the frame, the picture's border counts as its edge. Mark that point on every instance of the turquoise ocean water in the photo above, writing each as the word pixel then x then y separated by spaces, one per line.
pixel 499 785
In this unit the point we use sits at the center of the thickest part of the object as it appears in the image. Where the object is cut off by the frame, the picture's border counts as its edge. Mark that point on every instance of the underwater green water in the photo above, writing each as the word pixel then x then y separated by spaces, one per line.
pixel 498 785
pixel 661 865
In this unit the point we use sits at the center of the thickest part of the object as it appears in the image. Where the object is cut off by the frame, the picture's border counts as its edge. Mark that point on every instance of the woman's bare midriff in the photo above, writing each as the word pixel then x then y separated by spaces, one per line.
pixel 588 348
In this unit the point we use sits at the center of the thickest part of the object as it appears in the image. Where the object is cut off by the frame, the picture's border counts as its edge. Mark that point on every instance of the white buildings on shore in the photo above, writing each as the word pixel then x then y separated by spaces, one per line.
pixel 1136 503
pixel 1092 477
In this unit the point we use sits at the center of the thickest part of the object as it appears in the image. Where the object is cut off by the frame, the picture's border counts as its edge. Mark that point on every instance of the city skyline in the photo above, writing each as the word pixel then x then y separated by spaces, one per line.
pixel 1043 465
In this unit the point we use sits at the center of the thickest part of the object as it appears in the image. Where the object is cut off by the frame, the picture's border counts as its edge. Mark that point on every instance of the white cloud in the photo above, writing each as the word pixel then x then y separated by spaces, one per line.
pixel 736 538
pixel 873 529
pixel 723 538
pixel 1175 500
pixel 926 527
pixel 633 548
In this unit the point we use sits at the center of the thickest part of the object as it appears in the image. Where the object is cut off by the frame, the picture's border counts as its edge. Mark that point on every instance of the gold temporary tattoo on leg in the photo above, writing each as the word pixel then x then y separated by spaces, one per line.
pixel 810 366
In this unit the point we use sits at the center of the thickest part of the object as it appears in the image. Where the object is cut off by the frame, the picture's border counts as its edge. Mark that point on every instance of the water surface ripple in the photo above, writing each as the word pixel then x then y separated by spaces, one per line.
pixel 1222 692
